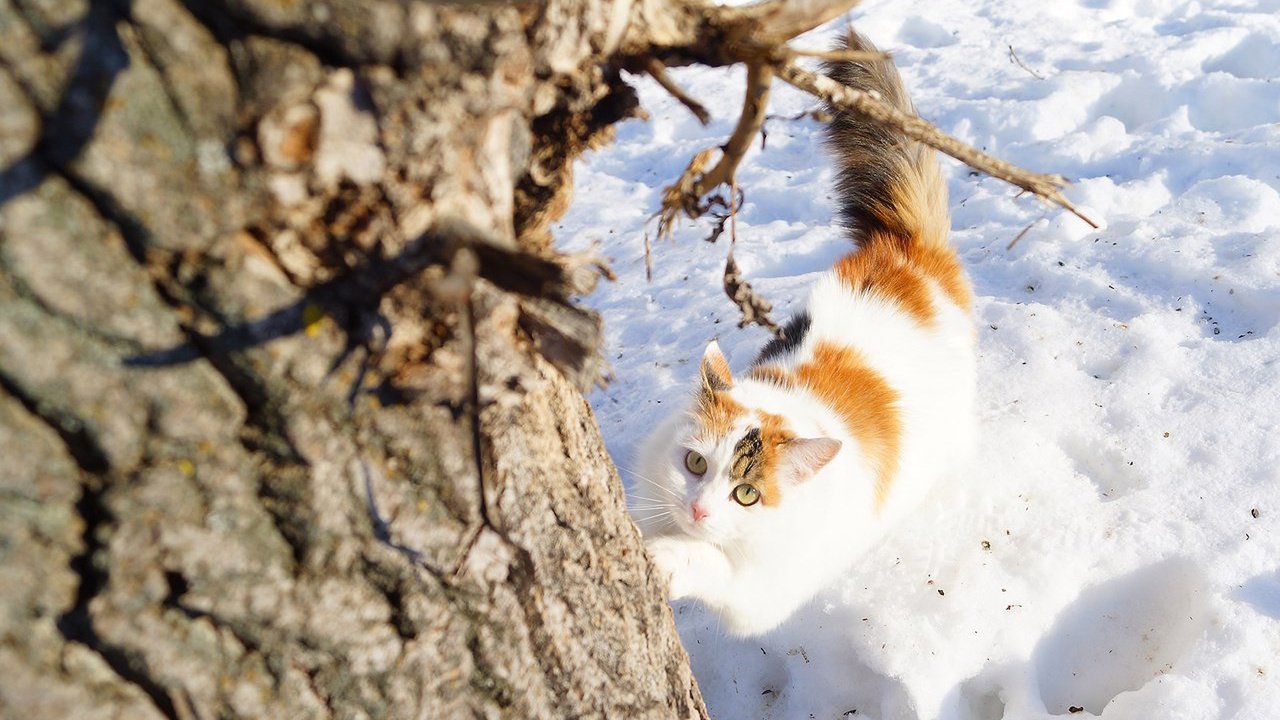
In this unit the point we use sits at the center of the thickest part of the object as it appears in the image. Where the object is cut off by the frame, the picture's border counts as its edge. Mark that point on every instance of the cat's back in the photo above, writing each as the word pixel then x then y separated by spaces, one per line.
pixel 902 297
pixel 887 339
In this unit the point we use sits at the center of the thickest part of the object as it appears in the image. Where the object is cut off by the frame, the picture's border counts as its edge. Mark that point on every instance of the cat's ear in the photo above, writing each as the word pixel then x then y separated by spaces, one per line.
pixel 715 369
pixel 804 457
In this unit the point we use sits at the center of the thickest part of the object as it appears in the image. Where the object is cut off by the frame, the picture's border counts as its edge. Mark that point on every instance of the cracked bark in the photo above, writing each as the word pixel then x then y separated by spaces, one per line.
pixel 243 454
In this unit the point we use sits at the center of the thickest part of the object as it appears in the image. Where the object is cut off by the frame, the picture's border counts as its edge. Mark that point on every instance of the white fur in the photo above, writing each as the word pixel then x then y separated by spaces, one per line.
pixel 756 565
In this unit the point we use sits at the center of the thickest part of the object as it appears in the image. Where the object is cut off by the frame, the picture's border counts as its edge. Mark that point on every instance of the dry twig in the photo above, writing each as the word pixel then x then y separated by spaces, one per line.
pixel 754 308
pixel 658 72
pixel 759 80
pixel 1013 57
pixel 818 115
pixel 872 107
pixel 840 55
pixel 1023 233
pixel 686 194
pixel 682 196
pixel 648 259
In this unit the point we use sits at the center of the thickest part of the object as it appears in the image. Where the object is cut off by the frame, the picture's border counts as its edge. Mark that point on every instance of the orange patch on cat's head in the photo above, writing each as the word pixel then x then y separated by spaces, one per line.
pixel 715 371
pixel 774 437
pixel 773 428
pixel 716 412
pixel 755 463
pixel 770 457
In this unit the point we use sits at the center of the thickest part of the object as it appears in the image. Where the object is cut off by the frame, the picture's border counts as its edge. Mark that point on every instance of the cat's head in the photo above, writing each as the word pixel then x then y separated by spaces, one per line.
pixel 730 462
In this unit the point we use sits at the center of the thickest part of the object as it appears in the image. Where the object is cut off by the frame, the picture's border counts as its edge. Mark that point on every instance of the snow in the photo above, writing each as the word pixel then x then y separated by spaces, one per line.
pixel 1102 551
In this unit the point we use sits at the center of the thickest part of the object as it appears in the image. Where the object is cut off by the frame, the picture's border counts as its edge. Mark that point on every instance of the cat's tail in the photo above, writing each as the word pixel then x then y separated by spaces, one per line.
pixel 887 184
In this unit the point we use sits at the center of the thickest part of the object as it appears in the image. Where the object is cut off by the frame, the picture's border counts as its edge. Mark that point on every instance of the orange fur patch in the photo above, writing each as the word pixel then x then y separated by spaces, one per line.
pixel 716 368
pixel 774 435
pixel 900 271
pixel 716 412
pixel 841 378
pixel 940 264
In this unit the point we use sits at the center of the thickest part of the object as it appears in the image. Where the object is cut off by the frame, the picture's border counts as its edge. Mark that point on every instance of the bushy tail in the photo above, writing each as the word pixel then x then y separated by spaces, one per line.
pixel 887 184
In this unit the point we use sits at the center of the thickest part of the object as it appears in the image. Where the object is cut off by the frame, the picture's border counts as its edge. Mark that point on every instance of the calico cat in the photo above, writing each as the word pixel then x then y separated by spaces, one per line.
pixel 770 485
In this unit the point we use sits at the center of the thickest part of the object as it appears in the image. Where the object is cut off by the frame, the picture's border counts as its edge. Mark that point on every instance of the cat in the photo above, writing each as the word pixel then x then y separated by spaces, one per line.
pixel 769 486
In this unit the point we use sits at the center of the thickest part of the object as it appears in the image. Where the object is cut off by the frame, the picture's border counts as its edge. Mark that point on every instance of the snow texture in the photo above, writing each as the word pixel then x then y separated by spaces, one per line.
pixel 1114 550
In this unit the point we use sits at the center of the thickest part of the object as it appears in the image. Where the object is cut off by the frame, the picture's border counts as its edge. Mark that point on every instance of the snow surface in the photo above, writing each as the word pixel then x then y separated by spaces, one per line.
pixel 1102 552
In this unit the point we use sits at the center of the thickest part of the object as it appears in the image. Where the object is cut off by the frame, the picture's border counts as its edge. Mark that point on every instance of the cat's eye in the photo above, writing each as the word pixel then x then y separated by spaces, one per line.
pixel 746 495
pixel 695 463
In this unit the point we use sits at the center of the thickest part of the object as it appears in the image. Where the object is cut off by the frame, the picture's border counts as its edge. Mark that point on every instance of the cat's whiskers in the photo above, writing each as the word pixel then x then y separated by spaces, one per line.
pixel 634 471
pixel 663 518
pixel 635 499
pixel 657 485
pixel 634 509
pixel 653 518
pixel 655 511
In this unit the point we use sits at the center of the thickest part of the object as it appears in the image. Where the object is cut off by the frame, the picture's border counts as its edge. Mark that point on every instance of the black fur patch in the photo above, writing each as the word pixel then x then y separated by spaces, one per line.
pixel 793 334
pixel 871 159
pixel 746 455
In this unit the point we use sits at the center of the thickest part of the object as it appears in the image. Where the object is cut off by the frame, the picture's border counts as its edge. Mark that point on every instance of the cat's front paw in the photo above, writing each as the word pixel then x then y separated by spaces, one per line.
pixel 674 563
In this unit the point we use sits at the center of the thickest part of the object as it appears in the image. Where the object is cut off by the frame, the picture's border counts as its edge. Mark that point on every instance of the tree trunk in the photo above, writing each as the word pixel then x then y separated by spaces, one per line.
pixel 290 385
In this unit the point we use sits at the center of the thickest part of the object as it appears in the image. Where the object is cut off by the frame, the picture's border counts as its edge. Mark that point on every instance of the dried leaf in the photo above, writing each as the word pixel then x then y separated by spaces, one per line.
pixel 755 309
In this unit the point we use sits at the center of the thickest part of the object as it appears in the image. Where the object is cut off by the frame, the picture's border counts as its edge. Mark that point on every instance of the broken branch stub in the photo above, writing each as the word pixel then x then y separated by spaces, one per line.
pixel 658 72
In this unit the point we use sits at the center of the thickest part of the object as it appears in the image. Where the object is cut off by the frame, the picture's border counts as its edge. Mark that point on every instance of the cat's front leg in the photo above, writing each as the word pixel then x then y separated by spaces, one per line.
pixel 692 569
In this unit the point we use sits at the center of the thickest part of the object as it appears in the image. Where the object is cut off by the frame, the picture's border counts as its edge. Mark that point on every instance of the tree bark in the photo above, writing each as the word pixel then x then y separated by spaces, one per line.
pixel 290 379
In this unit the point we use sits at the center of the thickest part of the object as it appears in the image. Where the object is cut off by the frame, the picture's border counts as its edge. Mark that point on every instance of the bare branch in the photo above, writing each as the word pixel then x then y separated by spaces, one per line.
pixel 1022 234
pixel 872 107
pixel 777 21
pixel 818 115
pixel 686 194
pixel 717 227
pixel 840 55
pixel 753 306
pixel 648 259
pixel 658 72
pixel 759 80
pixel 1013 58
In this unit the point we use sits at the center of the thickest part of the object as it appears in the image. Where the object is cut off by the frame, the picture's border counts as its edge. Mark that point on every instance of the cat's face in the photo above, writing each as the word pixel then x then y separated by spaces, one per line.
pixel 729 465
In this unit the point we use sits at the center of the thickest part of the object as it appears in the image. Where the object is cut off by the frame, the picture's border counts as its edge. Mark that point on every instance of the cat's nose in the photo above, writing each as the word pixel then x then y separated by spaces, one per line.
pixel 699 512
